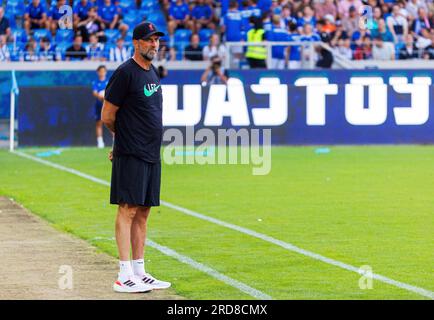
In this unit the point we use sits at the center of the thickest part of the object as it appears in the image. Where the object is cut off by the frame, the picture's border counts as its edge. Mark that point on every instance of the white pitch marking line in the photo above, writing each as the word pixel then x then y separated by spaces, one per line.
pixel 165 250
pixel 280 243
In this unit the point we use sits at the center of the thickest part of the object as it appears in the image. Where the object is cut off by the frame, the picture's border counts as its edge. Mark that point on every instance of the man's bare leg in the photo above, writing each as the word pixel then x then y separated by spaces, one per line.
pixel 138 232
pixel 124 220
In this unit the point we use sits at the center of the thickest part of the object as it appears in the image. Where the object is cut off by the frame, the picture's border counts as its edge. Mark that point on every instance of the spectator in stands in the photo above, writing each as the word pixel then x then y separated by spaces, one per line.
pixel 397 24
pixel 413 7
pixel 165 53
pixel 76 52
pixel 35 16
pixel 193 51
pixel 231 26
pixel 382 50
pixel 279 54
pixel 325 58
pixel 382 31
pixel 30 53
pixel 109 17
pixel 95 49
pixel 409 51
pixel 307 18
pixel 249 11
pixel 351 22
pixel 179 17
pixel 299 6
pixel 422 21
pixel 54 15
pixel 294 50
pixel 81 10
pixel 120 53
pixel 286 17
pixel 308 36
pixel 202 15
pixel 214 48
pixel 324 8
pixel 91 25
pixel 214 74
pixel 46 51
pixel 344 7
pixel 423 41
pixel 4 50
pixel 367 47
pixel 372 24
pixel 344 48
pixel 4 25
pixel 231 23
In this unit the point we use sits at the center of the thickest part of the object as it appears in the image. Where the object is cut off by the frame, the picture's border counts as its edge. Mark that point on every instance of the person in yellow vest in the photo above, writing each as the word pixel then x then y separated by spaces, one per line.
pixel 256 55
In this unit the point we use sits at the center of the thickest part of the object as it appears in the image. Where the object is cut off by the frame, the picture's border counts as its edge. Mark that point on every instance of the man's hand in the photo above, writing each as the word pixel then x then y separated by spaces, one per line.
pixel 110 155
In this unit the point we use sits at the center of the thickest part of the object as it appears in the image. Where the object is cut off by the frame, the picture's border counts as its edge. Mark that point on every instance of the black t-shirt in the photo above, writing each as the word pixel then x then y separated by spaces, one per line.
pixel 76 54
pixel 194 54
pixel 139 122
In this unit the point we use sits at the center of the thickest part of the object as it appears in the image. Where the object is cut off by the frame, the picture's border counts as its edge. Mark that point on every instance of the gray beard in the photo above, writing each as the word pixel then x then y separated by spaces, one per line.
pixel 146 56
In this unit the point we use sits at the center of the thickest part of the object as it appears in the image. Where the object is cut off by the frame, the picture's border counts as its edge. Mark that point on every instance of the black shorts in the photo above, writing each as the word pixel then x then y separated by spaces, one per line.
pixel 135 182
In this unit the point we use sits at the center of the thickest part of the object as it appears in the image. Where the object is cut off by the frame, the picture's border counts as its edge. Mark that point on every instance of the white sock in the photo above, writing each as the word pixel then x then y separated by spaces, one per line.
pixel 100 142
pixel 139 267
pixel 125 270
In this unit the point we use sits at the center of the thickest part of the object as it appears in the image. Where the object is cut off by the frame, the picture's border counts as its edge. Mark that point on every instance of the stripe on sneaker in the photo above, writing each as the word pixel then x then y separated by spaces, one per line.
pixel 129 283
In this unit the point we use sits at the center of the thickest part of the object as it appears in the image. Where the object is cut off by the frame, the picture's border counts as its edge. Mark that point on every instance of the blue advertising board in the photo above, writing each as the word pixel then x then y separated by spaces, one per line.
pixel 301 107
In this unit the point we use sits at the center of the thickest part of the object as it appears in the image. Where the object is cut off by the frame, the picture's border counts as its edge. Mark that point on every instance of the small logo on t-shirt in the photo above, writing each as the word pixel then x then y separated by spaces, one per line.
pixel 150 89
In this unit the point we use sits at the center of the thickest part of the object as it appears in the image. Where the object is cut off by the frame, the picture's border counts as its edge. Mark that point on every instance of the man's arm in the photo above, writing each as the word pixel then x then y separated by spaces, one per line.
pixel 108 115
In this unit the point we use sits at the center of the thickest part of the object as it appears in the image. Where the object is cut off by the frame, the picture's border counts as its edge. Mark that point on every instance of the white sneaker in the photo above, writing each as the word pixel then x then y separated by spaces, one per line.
pixel 131 285
pixel 149 280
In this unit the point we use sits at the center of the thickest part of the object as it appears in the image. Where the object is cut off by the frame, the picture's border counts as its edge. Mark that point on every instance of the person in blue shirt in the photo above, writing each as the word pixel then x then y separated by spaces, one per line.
pixel 35 16
pixel 279 54
pixel 250 10
pixel 95 50
pixel 80 11
pixel 308 36
pixel 202 15
pixel 54 15
pixel 179 17
pixel 231 26
pixel 231 23
pixel 295 50
pixel 98 90
pixel 46 51
pixel 109 17
pixel 307 18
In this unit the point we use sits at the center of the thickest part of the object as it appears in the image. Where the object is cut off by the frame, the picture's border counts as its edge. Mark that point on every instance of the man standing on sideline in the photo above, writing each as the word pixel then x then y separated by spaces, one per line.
pixel 98 90
pixel 132 110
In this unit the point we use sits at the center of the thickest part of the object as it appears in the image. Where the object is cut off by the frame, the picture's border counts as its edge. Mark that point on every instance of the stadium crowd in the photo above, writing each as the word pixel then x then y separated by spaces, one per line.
pixel 40 30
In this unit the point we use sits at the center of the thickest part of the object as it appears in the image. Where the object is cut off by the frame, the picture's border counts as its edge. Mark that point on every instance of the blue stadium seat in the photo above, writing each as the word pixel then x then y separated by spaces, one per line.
pixel 156 18
pixel 14 50
pixel 205 34
pixel 151 5
pixel 127 5
pixel 64 35
pixel 182 35
pixel 19 34
pixel 129 36
pixel 62 47
pixel 112 35
pixel 40 33
pixel 181 40
pixel 130 18
pixel 15 7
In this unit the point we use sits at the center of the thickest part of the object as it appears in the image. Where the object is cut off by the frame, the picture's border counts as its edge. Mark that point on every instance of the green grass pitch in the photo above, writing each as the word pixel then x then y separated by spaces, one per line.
pixel 367 205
